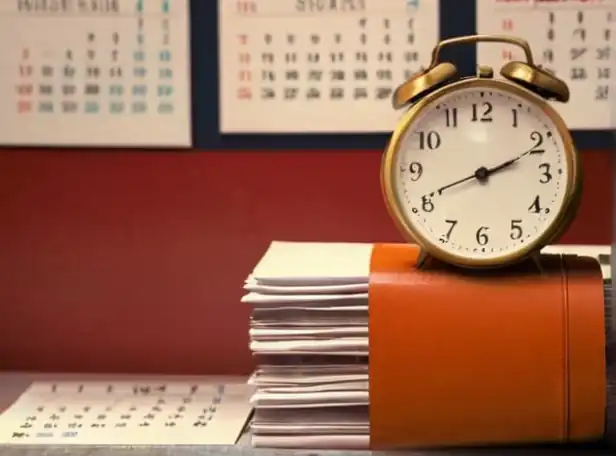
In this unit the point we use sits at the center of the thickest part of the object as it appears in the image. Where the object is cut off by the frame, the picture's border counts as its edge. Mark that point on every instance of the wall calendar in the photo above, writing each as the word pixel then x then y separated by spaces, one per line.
pixel 573 38
pixel 95 73
pixel 313 66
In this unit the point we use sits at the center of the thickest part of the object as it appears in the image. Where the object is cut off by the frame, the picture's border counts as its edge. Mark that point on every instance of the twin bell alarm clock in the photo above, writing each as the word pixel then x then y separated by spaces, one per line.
pixel 481 171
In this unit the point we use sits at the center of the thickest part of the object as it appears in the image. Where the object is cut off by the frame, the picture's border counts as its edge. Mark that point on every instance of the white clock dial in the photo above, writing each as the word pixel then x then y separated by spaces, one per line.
pixel 482 172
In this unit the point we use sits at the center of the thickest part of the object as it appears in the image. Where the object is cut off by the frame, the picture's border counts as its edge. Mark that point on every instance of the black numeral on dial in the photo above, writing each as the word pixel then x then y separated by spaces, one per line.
pixel 416 170
pixel 538 139
pixel 430 140
pixel 482 235
pixel 451 117
pixel 516 230
pixel 426 204
pixel 452 225
pixel 536 208
pixel 545 173
pixel 482 113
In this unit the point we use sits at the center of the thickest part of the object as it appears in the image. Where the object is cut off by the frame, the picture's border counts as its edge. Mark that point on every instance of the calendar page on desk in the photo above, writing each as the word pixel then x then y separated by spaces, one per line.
pixel 573 38
pixel 313 66
pixel 95 73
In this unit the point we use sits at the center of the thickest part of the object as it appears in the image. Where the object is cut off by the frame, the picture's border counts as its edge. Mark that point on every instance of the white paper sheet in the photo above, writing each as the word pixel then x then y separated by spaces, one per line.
pixel 254 286
pixel 128 413
pixel 314 263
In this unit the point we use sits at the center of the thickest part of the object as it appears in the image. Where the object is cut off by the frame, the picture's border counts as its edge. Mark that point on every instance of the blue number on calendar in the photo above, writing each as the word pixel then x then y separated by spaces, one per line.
pixel 165 56
pixel 165 108
pixel 116 107
pixel 412 3
pixel 140 90
pixel 165 91
pixel 116 89
pixel 140 72
pixel 92 107
pixel 165 73
pixel 139 56
pixel 139 107
pixel 46 106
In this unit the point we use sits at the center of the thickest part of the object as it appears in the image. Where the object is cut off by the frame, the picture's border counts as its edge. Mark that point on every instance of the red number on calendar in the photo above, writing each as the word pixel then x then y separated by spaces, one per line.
pixel 507 24
pixel 24 106
pixel 246 7
pixel 243 39
pixel 244 93
pixel 245 75
pixel 244 57
pixel 507 55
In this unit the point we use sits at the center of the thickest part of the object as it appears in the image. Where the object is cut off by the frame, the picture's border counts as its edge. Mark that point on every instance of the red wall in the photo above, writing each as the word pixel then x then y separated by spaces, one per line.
pixel 132 261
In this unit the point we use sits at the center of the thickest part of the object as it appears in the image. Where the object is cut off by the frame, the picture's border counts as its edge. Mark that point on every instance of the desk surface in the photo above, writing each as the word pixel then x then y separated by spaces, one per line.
pixel 245 451
pixel 13 384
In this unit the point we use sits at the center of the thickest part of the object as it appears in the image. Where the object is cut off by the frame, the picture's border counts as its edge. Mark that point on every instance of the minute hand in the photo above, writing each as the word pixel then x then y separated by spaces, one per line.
pixel 505 164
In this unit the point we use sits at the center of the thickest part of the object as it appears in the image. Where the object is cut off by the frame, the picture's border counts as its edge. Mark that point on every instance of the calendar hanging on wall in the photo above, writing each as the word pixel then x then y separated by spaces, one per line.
pixel 314 66
pixel 95 73
pixel 572 38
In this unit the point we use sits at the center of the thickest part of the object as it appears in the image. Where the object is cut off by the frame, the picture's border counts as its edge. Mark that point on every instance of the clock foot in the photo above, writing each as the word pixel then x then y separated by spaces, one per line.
pixel 424 260
pixel 536 259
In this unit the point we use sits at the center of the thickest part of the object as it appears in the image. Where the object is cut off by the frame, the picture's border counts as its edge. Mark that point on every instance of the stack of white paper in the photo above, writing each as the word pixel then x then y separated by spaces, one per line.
pixel 309 328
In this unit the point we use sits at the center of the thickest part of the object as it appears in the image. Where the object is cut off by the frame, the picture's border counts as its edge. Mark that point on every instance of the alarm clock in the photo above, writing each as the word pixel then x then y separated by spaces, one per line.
pixel 481 171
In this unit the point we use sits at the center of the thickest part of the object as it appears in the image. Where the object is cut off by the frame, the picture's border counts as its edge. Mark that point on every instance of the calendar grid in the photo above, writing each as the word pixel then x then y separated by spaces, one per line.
pixel 118 75
pixel 573 40
pixel 127 413
pixel 326 71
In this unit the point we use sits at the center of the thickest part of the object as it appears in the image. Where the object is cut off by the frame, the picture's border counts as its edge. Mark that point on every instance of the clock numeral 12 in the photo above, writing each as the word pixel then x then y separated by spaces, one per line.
pixel 485 117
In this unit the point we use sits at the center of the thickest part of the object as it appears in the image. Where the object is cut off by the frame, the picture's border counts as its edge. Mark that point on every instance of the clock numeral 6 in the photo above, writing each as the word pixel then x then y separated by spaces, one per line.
pixel 482 235
pixel 516 230
pixel 431 139
pixel 416 170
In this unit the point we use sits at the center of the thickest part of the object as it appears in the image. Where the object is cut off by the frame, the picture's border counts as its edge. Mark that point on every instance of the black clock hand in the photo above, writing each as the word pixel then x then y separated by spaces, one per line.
pixel 453 184
pixel 505 164
pixel 481 174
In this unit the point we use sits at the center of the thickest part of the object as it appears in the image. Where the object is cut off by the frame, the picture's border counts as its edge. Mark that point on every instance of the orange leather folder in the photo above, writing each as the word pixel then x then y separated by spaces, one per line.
pixel 462 358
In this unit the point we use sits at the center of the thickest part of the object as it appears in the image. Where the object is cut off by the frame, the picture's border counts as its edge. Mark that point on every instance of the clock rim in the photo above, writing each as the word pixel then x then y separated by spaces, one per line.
pixel 551 234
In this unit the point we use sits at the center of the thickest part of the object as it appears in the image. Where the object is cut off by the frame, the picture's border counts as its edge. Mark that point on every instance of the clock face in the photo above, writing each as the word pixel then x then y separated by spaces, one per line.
pixel 481 172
